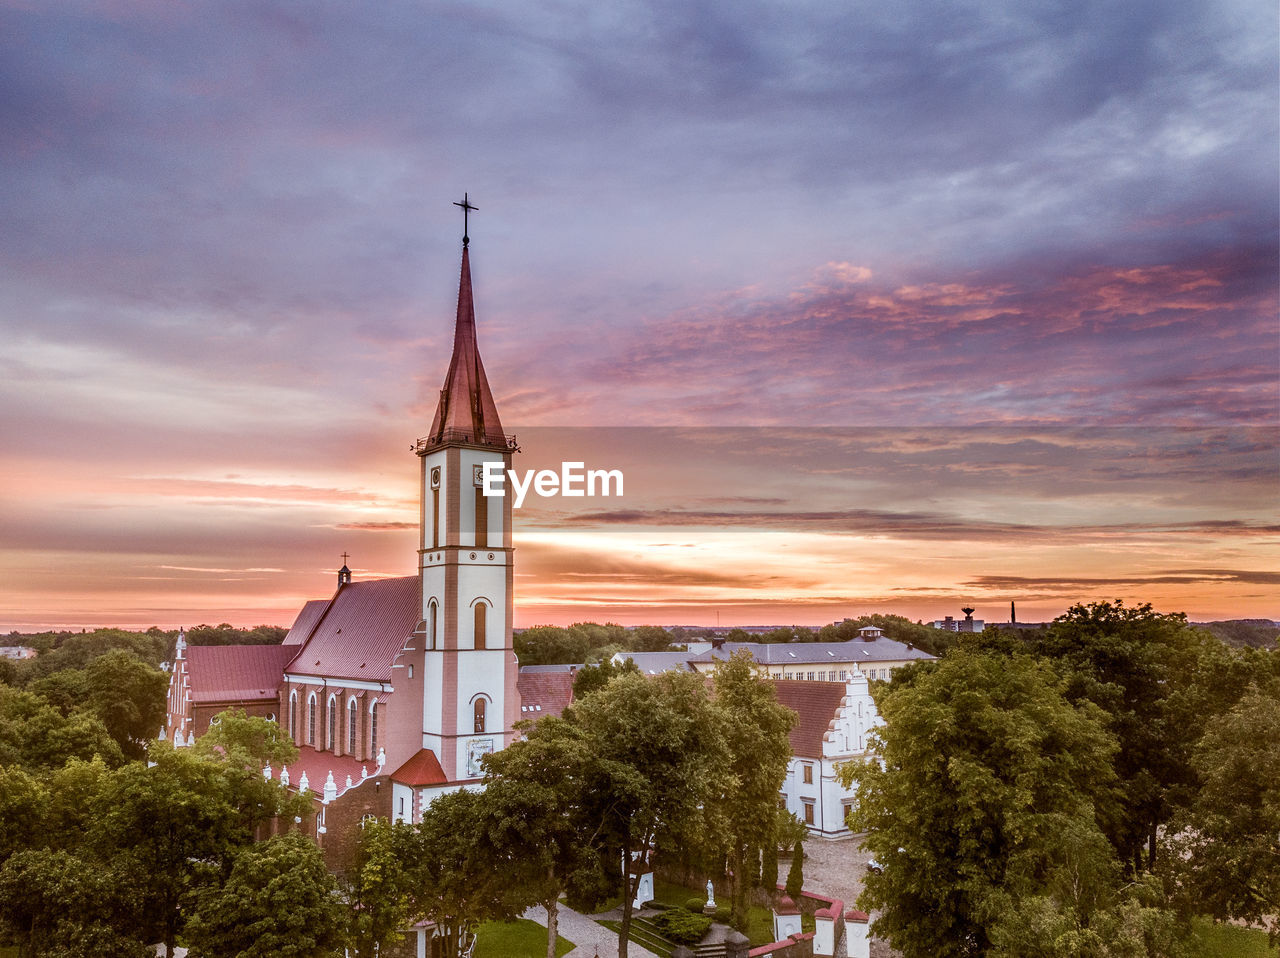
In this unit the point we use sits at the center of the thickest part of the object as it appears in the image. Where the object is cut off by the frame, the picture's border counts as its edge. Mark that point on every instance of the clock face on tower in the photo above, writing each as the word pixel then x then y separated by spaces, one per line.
pixel 477 475
pixel 435 478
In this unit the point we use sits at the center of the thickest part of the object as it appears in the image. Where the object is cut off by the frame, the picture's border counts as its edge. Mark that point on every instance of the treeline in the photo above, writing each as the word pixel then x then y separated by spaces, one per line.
pixel 1082 789
pixel 591 642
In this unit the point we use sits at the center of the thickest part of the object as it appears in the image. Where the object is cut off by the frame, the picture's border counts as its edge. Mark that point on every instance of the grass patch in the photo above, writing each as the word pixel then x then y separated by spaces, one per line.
pixel 1213 940
pixel 522 938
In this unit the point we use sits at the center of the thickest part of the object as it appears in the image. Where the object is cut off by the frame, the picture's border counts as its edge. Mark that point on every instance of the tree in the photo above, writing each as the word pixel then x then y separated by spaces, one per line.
pixel 1227 850
pixel 537 827
pixel 378 890
pixel 35 735
pixel 658 763
pixel 173 829
pixel 279 902
pixel 981 765
pixel 54 904
pixel 1140 667
pixel 795 874
pixel 591 678
pixel 242 746
pixel 22 799
pixel 757 735
pixel 129 696
pixel 453 880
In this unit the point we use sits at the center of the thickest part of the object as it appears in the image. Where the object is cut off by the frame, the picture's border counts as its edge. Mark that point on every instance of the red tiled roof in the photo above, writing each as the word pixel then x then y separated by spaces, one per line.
pixel 423 769
pixel 816 704
pixel 466 403
pixel 318 765
pixel 364 627
pixel 306 621
pixel 544 693
pixel 236 673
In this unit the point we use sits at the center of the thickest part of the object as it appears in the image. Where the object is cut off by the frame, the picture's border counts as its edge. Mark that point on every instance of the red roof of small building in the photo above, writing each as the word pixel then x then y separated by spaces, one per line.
pixel 544 693
pixel 466 408
pixel 422 769
pixel 816 704
pixel 364 627
pixel 306 621
pixel 236 673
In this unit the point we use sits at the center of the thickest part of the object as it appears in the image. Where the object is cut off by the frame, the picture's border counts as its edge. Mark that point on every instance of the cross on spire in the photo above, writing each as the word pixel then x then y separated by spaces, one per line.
pixel 466 210
pixel 345 557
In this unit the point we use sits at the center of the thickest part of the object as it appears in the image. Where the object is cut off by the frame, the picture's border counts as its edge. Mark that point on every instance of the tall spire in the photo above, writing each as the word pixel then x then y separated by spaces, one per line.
pixel 467 412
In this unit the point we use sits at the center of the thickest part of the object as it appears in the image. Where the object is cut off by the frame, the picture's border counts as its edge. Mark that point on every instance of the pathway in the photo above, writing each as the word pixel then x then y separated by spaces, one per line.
pixel 590 938
pixel 836 868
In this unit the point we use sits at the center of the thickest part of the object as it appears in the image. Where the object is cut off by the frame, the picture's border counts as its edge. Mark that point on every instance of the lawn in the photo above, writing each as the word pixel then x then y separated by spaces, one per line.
pixel 516 939
pixel 1229 941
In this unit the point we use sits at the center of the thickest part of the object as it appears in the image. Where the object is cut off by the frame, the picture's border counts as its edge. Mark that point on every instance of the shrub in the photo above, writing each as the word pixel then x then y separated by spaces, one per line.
pixel 724 915
pixel 695 905
pixel 682 927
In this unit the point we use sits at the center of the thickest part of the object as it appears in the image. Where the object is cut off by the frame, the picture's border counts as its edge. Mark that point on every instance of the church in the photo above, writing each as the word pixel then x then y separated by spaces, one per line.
pixel 394 689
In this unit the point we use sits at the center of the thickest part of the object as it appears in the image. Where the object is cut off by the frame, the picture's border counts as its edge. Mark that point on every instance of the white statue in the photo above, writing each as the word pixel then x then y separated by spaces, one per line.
pixel 711 894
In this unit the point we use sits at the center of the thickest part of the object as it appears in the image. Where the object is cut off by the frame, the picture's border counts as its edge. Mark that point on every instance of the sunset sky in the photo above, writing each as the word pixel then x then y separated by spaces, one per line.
pixel 879 307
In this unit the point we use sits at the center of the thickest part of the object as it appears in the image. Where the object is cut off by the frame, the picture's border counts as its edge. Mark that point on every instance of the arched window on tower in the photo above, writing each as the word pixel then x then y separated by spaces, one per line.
pixel 481 708
pixel 480 625
pixel 332 708
pixel 351 726
pixel 431 624
pixel 311 719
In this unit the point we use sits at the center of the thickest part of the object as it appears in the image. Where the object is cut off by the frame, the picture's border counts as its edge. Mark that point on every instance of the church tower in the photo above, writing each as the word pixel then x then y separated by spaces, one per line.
pixel 463 644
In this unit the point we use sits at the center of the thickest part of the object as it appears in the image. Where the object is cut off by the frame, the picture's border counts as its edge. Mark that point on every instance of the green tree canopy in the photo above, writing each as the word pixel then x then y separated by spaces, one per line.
pixel 981 764
pixel 279 902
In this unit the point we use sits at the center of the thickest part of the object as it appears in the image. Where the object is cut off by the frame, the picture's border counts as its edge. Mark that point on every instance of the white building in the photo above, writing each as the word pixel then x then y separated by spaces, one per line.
pixel 834 723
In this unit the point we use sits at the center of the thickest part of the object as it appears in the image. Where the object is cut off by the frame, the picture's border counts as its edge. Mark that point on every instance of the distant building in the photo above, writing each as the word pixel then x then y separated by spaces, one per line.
pixel 967 624
pixel 17 652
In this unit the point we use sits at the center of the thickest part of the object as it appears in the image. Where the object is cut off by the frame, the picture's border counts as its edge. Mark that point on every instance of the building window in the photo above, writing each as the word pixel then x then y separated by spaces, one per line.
pixel 431 625
pixel 482 517
pixel 810 676
pixel 808 813
pixel 822 676
pixel 411 670
pixel 293 716
pixel 373 730
pixel 480 625
pixel 844 675
pixel 351 727
pixel 808 774
pixel 311 719
pixel 480 709
pixel 331 743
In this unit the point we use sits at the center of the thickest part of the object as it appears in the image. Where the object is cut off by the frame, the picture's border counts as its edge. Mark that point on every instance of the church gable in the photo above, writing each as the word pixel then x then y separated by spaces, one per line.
pixel 363 629
pixel 306 621
pixel 235 673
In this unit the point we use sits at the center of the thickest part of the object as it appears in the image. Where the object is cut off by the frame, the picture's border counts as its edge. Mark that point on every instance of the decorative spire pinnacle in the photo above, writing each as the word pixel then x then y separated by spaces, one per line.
pixel 467 413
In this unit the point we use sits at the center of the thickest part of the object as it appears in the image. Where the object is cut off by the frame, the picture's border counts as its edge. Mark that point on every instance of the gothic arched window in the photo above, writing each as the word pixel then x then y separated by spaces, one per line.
pixel 311 719
pixel 373 730
pixel 431 624
pixel 332 743
pixel 480 708
pixel 293 716
pixel 351 726
pixel 480 625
